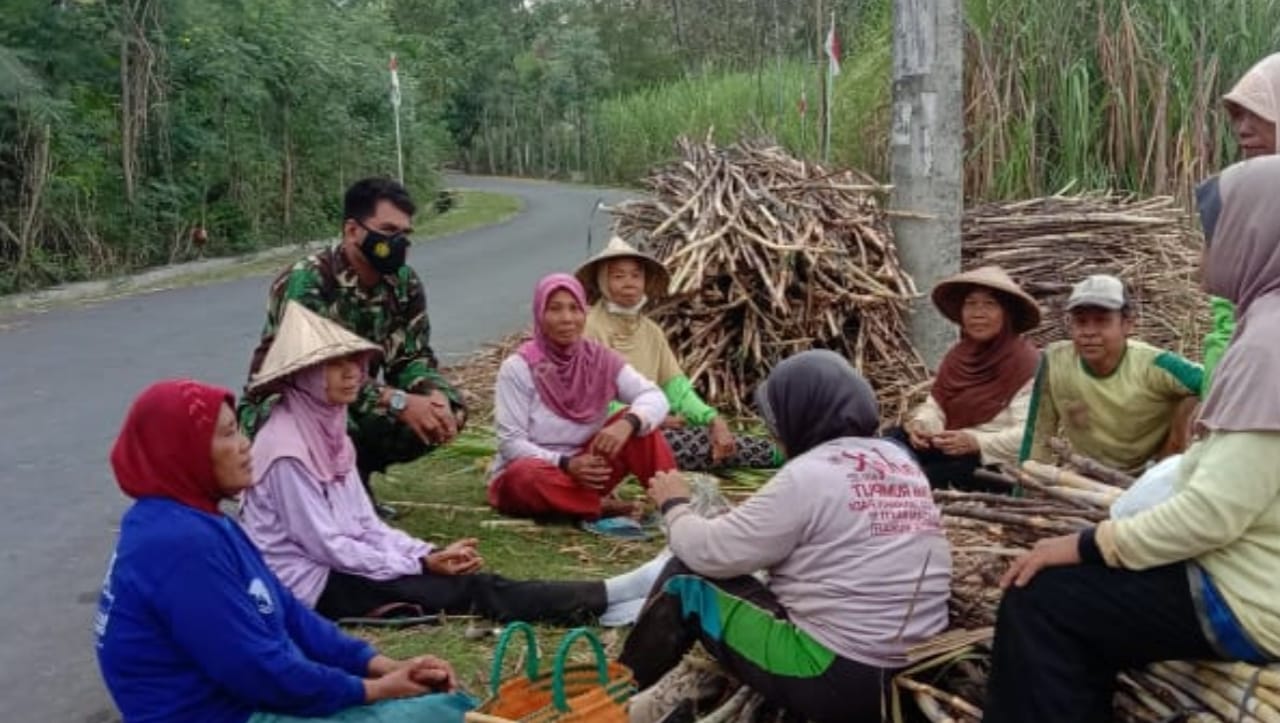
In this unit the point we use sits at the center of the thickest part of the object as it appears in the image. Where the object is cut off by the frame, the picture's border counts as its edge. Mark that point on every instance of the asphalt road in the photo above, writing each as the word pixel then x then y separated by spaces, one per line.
pixel 67 376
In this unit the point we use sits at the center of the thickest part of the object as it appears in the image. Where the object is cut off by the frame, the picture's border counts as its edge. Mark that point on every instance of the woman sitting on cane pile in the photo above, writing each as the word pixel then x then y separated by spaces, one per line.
pixel 624 281
pixel 192 625
pixel 318 530
pixel 859 569
pixel 560 453
pixel 1193 577
pixel 976 412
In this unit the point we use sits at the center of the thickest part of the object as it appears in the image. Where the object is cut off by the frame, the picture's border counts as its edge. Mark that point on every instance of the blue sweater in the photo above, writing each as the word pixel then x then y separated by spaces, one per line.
pixel 192 626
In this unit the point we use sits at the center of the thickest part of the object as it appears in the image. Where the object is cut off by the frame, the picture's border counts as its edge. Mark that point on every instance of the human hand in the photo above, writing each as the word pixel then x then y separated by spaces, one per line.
pixel 397 683
pixel 435 673
pixel 956 444
pixel 916 435
pixel 667 485
pixel 590 470
pixel 673 421
pixel 1050 552
pixel 609 441
pixel 430 417
pixel 723 444
pixel 458 558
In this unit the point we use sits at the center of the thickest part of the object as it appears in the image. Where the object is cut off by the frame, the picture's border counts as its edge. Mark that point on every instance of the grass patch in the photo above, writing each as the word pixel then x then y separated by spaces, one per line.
pixel 442 498
pixel 472 209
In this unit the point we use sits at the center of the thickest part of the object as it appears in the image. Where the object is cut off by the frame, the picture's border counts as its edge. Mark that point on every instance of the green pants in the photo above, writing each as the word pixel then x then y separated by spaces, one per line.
pixel 440 708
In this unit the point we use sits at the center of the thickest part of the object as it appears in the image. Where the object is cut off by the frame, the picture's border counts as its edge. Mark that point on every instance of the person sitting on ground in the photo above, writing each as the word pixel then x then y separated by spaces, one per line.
pixel 192 625
pixel 1254 107
pixel 317 529
pixel 976 412
pixel 560 453
pixel 405 408
pixel 1192 578
pixel 1113 398
pixel 623 281
pixel 859 569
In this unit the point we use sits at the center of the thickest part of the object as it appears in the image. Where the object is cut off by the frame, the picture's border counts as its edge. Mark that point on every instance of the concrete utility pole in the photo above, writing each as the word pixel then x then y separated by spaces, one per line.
pixel 927 146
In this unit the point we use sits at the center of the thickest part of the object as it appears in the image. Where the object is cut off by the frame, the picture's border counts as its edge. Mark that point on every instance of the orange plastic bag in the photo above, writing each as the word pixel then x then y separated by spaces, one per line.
pixel 594 693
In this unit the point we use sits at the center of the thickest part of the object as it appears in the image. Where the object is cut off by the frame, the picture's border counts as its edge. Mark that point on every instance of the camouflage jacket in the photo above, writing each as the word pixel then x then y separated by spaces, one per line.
pixel 392 315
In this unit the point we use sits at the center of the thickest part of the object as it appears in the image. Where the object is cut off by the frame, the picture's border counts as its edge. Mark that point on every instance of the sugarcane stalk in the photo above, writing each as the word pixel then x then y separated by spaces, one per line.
pixel 1089 466
pixel 1056 476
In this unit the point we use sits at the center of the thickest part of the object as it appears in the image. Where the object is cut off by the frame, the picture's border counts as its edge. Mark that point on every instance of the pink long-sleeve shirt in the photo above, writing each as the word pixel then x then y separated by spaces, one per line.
pixel 306 528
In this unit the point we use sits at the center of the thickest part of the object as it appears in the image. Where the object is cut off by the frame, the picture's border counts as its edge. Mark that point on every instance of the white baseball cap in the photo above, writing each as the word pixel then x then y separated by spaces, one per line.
pixel 1101 290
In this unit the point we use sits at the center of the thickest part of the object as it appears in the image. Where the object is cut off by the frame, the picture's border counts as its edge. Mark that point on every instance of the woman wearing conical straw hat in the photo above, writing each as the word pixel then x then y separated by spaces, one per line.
pixel 623 282
pixel 976 411
pixel 317 529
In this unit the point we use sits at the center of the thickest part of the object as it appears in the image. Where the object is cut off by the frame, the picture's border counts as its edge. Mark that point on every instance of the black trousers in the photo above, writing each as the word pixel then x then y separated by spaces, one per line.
pixel 845 691
pixel 380 442
pixel 1061 640
pixel 490 596
pixel 943 470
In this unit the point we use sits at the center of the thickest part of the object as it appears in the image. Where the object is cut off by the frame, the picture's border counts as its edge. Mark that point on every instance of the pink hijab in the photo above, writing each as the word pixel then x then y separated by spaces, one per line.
pixel 304 426
pixel 577 381
pixel 1243 266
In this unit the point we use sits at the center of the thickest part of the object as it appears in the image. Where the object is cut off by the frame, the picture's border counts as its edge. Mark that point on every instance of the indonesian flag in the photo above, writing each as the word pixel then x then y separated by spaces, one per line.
pixel 833 47
pixel 395 82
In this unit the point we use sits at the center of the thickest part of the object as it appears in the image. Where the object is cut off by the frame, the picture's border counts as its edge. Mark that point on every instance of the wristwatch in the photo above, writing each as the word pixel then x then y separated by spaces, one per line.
pixel 398 401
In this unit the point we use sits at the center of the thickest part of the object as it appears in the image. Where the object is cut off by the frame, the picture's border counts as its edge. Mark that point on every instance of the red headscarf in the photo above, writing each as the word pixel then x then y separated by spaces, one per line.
pixel 165 445
pixel 977 380
pixel 577 381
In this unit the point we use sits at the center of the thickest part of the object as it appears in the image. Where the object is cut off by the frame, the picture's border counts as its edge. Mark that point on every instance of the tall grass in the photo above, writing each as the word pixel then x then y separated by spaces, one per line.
pixel 1105 93
pixel 1073 93
pixel 630 133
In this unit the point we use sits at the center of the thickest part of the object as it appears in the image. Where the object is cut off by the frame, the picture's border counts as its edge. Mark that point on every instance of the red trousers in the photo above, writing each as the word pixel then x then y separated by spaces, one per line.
pixel 531 487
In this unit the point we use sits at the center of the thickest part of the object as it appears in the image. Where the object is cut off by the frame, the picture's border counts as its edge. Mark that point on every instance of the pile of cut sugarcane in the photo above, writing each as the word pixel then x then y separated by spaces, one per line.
pixel 768 256
pixel 475 376
pixel 948 678
pixel 1048 244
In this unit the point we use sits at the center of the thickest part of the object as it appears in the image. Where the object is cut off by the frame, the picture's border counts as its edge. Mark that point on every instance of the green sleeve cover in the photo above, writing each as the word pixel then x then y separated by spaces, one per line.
pixel 686 402
pixel 1215 342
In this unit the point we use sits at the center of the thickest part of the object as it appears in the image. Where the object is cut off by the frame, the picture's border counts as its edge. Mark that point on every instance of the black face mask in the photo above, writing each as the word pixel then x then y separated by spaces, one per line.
pixel 386 254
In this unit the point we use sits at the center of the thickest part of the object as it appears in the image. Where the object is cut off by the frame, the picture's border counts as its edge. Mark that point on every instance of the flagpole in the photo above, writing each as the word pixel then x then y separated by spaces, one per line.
pixel 831 81
pixel 395 105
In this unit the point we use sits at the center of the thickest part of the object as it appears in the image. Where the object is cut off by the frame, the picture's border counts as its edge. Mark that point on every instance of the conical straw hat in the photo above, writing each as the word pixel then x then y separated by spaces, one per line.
pixel 656 276
pixel 949 295
pixel 303 339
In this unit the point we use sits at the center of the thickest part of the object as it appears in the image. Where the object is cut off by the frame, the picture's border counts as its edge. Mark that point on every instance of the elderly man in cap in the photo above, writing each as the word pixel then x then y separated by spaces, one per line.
pixel 1115 399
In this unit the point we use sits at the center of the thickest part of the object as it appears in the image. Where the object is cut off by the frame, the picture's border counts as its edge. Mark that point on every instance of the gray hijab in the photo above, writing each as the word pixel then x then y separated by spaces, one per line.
pixel 815 397
pixel 1243 266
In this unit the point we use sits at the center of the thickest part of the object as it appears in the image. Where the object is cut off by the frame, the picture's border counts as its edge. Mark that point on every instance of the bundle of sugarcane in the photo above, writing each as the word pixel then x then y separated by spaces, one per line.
pixel 1048 244
pixel 948 677
pixel 475 376
pixel 770 255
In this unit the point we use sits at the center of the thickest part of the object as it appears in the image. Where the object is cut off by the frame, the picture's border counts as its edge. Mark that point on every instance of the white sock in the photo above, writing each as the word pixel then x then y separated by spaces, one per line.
pixel 635 585
pixel 622 613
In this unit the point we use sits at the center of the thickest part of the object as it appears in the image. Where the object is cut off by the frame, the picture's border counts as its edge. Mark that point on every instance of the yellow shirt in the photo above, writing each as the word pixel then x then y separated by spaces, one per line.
pixel 1225 515
pixel 1121 419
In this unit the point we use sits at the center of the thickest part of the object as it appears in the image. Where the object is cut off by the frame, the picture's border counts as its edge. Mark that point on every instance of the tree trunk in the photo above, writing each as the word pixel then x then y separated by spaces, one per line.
pixel 679 33
pixel 287 170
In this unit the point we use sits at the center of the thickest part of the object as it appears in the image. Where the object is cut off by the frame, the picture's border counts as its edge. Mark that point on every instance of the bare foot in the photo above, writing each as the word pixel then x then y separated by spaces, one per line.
pixel 614 507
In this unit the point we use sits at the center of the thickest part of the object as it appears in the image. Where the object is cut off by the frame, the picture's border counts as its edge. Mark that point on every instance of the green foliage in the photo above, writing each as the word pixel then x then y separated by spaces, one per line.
pixel 127 124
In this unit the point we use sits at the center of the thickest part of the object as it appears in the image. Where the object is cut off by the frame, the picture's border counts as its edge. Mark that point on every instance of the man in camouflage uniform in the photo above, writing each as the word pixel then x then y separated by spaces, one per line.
pixel 406 407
